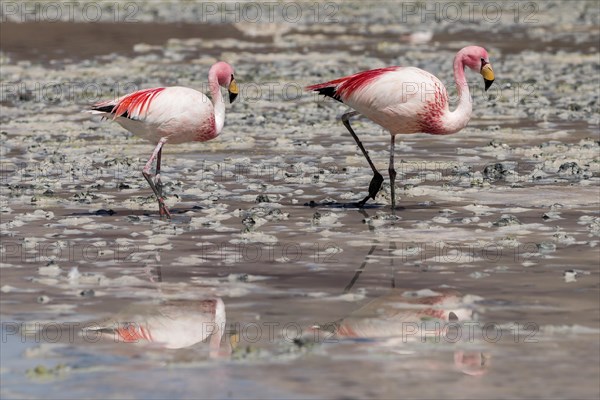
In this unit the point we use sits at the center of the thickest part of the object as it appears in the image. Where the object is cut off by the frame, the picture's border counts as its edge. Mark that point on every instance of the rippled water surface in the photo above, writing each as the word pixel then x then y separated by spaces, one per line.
pixel 269 282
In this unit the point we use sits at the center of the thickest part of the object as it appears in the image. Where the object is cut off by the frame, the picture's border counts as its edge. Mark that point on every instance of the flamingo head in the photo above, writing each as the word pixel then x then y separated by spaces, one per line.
pixel 223 73
pixel 477 59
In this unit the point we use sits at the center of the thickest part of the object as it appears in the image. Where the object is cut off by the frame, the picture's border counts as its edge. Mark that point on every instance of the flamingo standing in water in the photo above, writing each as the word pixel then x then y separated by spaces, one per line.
pixel 406 100
pixel 172 114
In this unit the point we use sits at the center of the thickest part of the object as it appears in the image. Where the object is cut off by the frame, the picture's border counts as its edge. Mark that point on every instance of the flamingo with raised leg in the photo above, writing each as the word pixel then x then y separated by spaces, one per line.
pixel 172 114
pixel 406 100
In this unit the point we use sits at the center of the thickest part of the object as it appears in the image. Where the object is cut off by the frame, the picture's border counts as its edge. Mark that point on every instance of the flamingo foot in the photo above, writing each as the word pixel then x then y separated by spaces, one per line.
pixel 362 203
pixel 375 185
pixel 163 209
pixel 374 188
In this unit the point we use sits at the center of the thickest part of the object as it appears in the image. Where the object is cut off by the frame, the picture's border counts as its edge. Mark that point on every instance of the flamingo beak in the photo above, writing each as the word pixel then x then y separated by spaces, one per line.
pixel 488 74
pixel 233 90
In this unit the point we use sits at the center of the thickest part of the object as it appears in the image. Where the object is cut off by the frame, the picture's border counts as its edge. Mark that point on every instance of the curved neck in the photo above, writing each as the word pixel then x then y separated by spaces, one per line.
pixel 458 119
pixel 217 100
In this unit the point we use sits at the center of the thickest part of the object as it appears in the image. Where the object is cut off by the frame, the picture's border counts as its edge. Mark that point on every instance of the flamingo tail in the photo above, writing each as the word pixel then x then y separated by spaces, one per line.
pixel 107 110
pixel 327 89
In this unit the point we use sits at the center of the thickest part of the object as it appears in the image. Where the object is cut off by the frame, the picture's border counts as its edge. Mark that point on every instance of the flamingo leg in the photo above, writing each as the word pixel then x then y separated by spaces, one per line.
pixel 162 208
pixel 392 173
pixel 157 180
pixel 377 180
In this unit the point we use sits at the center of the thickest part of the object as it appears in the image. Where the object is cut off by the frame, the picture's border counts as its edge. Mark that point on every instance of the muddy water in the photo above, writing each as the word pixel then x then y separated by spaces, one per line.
pixel 45 41
pixel 269 282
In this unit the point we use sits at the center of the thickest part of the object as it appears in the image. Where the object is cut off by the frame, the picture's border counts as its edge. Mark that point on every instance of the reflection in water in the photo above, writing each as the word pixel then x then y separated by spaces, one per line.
pixel 473 362
pixel 400 317
pixel 391 314
pixel 172 324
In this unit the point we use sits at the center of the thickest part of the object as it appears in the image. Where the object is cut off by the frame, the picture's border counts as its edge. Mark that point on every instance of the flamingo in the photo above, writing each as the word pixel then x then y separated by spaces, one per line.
pixel 172 114
pixel 406 100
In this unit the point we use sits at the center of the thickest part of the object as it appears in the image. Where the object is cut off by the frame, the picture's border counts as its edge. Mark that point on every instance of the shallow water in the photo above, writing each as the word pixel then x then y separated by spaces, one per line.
pixel 269 282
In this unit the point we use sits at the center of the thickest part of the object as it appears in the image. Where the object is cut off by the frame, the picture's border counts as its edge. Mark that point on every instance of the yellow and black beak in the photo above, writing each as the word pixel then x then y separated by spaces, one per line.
pixel 488 73
pixel 233 90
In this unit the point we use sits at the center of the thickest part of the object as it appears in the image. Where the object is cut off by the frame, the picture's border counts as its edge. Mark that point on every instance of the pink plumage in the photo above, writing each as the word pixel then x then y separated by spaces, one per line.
pixel 133 105
pixel 174 115
pixel 170 324
pixel 396 319
pixel 345 87
pixel 406 100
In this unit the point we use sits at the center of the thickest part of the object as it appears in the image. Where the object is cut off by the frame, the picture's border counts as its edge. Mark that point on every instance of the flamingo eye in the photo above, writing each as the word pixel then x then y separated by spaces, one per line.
pixel 483 63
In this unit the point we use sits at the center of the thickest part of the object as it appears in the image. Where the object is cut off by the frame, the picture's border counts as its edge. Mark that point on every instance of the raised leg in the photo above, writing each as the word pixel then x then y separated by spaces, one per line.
pixel 162 208
pixel 377 180
pixel 392 173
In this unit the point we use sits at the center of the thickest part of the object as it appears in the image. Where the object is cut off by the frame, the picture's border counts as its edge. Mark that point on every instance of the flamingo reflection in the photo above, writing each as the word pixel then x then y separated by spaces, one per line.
pixel 173 324
pixel 402 316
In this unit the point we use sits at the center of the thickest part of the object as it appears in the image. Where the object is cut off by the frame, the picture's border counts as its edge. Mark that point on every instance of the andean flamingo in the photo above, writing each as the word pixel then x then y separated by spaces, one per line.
pixel 407 100
pixel 172 114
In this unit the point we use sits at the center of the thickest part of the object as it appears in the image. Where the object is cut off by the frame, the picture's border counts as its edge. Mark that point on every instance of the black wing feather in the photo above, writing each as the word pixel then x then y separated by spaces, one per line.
pixel 329 91
pixel 109 110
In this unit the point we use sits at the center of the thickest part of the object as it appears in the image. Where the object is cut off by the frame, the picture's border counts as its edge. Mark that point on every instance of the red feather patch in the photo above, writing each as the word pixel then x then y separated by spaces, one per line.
pixel 132 333
pixel 430 119
pixel 136 103
pixel 344 87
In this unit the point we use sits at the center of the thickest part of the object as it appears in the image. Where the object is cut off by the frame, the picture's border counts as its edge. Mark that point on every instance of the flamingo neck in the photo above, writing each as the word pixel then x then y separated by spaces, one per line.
pixel 458 119
pixel 217 100
pixel 219 323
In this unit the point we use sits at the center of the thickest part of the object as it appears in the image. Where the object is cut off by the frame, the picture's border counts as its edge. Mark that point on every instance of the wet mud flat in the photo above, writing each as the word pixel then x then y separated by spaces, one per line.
pixel 269 282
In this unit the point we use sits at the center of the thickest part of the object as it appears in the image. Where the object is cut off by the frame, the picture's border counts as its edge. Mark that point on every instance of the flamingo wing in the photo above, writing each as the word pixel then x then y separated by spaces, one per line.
pixel 400 99
pixel 342 88
pixel 132 106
